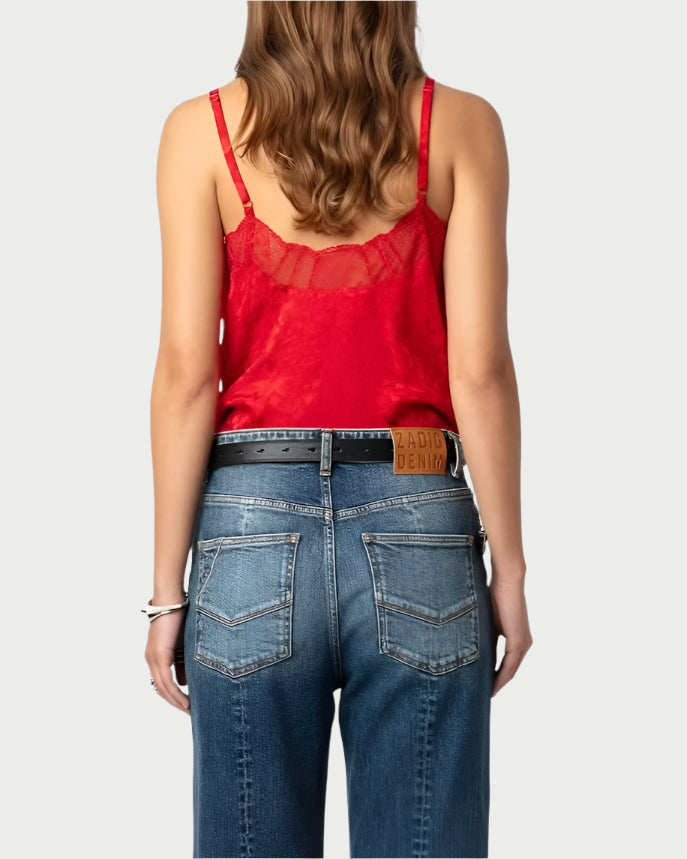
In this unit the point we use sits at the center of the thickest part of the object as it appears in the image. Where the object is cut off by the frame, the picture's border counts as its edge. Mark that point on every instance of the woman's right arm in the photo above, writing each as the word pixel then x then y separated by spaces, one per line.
pixel 481 372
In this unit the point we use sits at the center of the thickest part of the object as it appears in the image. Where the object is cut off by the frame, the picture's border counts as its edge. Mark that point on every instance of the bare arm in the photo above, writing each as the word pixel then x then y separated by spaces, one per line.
pixel 186 378
pixel 481 372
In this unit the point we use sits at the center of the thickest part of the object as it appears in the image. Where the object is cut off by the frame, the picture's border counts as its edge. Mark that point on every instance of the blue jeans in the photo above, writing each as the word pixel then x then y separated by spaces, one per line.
pixel 362 580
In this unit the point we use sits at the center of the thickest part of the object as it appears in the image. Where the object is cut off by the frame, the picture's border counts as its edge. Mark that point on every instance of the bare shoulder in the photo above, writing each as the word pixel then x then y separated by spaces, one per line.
pixel 189 133
pixel 188 163
pixel 186 132
pixel 469 128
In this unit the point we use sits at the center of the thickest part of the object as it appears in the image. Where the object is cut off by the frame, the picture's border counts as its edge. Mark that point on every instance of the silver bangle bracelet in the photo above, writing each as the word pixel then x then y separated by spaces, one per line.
pixel 155 611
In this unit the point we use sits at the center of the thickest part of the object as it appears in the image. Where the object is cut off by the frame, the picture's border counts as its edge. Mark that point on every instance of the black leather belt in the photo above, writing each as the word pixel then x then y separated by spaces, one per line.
pixel 308 450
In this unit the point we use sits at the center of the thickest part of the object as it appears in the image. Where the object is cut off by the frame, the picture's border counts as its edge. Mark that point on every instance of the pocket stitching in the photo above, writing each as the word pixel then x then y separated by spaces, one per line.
pixel 410 537
pixel 227 621
pixel 459 612
pixel 206 575
pixel 382 608
pixel 440 669
pixel 252 666
pixel 285 606
pixel 204 547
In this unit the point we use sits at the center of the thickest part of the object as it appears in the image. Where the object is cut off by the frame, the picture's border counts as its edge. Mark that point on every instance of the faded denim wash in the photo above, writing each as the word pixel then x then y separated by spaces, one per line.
pixel 312 576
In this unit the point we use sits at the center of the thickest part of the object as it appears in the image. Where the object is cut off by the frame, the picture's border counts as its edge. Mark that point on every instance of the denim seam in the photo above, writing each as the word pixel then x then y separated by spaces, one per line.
pixel 348 512
pixel 288 623
pixel 286 537
pixel 206 575
pixel 345 512
pixel 243 539
pixel 236 621
pixel 423 782
pixel 383 537
pixel 306 433
pixel 330 566
pixel 256 501
pixel 209 662
pixel 437 621
pixel 432 671
pixel 244 761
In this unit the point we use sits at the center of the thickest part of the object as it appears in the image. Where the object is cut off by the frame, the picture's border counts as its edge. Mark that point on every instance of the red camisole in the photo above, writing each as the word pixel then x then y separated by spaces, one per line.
pixel 347 336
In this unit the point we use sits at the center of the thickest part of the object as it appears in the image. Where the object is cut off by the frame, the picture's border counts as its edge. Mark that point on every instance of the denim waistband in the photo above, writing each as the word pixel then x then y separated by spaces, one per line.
pixel 286 433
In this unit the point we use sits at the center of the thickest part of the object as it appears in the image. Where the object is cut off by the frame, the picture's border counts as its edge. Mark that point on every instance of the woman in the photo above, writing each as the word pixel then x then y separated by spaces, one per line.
pixel 334 307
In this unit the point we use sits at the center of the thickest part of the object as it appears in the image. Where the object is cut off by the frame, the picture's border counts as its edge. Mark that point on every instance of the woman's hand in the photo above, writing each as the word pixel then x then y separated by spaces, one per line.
pixel 510 616
pixel 165 636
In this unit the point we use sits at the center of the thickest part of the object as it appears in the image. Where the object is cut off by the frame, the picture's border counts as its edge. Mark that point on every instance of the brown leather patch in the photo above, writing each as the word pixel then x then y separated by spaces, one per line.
pixel 419 450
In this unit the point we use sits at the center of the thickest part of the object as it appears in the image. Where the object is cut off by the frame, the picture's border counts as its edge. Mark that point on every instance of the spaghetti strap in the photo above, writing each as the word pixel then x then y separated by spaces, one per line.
pixel 227 149
pixel 423 153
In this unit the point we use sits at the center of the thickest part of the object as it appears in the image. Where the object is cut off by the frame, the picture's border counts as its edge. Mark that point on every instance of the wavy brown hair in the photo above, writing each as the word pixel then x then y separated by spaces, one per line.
pixel 326 84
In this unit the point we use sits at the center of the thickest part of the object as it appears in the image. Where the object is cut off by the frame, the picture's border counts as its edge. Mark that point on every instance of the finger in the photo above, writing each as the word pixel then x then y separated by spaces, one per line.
pixel 507 669
pixel 509 666
pixel 167 688
pixel 502 675
pixel 174 693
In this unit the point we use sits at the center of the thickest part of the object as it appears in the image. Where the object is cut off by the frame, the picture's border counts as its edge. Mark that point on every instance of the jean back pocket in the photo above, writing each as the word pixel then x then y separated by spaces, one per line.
pixel 244 601
pixel 425 598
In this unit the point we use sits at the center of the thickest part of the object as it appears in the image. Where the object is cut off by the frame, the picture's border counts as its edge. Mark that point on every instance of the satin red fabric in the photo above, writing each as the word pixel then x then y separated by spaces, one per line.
pixel 348 336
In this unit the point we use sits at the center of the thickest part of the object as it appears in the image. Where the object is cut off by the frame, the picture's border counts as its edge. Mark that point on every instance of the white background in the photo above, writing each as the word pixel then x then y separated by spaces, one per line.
pixel 588 755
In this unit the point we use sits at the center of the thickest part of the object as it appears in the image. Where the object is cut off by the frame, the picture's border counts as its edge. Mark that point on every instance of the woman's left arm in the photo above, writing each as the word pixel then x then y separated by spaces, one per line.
pixel 186 379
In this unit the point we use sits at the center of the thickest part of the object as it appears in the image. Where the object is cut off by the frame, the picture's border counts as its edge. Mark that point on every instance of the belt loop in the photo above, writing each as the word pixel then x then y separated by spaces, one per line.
pixel 326 452
pixel 460 456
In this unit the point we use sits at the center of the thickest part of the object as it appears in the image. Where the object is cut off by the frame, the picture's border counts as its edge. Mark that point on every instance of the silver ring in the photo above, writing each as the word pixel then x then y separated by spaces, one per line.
pixel 152 681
